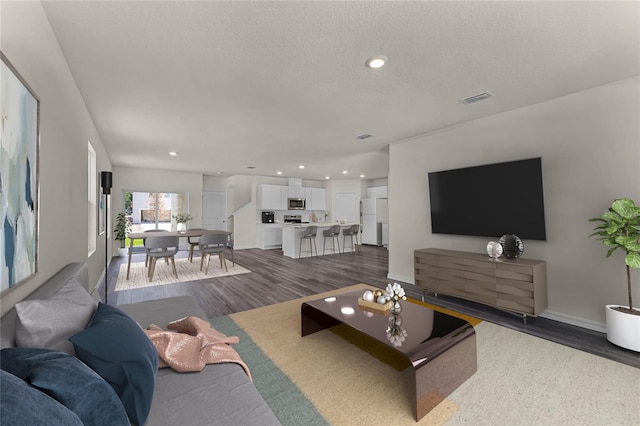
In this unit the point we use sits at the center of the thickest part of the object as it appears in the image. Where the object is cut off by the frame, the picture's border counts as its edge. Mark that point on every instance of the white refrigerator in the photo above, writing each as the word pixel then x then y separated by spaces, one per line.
pixel 375 212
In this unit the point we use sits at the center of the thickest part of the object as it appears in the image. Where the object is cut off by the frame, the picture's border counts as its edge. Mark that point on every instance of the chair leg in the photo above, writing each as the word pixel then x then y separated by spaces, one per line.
pixel 206 270
pixel 233 261
pixel 152 267
pixel 315 246
pixel 191 253
pixel 202 261
pixel 173 265
pixel 223 260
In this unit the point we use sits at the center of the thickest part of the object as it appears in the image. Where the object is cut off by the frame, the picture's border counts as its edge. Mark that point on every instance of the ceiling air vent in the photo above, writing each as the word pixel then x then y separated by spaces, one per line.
pixel 475 98
pixel 364 136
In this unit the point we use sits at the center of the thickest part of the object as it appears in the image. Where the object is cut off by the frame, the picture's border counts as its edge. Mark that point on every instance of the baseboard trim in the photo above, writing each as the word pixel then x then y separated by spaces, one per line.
pixel 408 280
pixel 578 322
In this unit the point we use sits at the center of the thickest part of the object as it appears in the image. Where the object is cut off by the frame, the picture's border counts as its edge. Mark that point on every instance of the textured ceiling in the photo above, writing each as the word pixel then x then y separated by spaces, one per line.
pixel 277 84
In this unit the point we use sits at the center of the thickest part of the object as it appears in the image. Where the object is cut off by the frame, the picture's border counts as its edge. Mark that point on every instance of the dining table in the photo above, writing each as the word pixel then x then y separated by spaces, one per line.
pixel 188 233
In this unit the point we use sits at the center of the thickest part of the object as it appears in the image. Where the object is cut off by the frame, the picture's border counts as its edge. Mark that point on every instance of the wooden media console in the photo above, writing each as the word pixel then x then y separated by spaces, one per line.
pixel 516 285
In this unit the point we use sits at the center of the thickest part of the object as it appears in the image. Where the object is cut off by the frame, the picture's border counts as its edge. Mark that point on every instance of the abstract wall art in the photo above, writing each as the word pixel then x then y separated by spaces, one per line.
pixel 19 186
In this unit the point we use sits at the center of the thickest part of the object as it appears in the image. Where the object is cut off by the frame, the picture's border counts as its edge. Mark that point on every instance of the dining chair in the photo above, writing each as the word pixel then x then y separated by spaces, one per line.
pixel 193 242
pixel 146 259
pixel 213 244
pixel 161 247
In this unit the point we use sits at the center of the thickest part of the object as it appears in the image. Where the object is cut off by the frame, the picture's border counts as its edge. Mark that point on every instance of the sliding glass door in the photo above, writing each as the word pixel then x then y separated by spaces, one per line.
pixel 154 210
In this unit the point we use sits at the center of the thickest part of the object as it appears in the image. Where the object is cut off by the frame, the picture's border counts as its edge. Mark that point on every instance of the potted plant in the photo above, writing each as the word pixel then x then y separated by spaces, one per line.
pixel 122 228
pixel 182 219
pixel 619 228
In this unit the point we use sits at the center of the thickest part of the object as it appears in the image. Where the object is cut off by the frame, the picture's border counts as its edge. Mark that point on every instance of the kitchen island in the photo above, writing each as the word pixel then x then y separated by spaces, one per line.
pixel 291 233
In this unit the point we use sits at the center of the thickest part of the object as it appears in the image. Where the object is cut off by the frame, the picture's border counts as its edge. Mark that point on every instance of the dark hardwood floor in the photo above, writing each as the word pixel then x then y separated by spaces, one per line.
pixel 275 278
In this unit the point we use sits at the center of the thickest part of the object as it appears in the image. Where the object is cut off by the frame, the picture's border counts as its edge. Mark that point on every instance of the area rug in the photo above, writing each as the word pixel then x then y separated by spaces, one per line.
pixel 163 274
pixel 521 380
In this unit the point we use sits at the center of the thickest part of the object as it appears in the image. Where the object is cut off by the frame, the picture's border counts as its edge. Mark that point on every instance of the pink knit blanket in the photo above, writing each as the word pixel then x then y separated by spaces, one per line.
pixel 192 344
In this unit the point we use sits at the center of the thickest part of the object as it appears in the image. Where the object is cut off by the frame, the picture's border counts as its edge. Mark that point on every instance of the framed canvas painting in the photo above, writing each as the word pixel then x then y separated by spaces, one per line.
pixel 19 186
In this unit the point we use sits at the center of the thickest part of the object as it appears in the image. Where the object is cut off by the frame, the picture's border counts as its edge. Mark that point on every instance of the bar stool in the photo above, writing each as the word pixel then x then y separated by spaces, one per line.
pixel 351 231
pixel 334 234
pixel 309 234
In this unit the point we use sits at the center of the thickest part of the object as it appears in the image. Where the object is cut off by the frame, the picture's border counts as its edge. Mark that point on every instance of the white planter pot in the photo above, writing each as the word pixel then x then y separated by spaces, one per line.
pixel 122 252
pixel 623 329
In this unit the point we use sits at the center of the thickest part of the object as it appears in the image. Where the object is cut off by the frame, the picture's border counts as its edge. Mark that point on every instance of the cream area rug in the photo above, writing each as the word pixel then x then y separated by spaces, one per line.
pixel 521 379
pixel 163 274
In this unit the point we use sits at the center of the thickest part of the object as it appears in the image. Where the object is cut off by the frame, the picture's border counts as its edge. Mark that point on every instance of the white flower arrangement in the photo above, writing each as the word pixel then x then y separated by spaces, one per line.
pixel 394 292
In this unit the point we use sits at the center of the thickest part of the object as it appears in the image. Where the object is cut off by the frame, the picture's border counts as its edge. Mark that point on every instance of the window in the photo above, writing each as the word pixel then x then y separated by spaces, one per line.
pixel 92 196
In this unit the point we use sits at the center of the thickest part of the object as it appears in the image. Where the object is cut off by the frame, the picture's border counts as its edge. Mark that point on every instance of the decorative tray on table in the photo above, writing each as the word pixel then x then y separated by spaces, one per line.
pixel 374 307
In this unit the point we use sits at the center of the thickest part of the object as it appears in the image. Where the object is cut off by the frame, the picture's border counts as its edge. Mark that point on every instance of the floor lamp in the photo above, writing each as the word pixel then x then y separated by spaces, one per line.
pixel 105 179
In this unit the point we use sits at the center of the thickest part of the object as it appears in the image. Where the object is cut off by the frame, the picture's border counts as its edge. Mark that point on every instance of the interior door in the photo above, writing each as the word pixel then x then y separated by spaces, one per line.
pixel 347 206
pixel 214 210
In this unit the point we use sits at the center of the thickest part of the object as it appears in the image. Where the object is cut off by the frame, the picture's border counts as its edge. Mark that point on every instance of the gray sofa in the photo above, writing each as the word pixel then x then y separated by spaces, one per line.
pixel 220 394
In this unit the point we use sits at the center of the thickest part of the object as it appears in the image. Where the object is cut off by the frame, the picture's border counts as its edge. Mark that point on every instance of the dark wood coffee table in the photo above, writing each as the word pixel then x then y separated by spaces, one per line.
pixel 441 348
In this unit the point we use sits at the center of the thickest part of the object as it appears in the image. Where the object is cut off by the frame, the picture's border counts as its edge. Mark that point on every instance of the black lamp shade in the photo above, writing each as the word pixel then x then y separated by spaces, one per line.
pixel 105 178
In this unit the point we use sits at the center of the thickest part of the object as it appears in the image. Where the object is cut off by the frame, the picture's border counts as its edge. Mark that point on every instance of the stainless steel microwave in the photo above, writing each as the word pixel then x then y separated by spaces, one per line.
pixel 297 203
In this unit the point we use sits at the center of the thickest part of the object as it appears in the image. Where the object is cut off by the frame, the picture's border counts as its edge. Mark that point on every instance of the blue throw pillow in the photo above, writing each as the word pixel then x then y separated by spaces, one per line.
pixel 67 380
pixel 117 348
pixel 21 404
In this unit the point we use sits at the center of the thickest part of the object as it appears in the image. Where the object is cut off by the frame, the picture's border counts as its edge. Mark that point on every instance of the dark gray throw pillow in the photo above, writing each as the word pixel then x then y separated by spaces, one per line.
pixel 22 404
pixel 117 348
pixel 67 380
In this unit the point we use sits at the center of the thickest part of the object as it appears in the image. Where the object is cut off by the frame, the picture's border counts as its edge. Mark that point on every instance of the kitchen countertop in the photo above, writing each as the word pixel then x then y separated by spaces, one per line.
pixel 318 224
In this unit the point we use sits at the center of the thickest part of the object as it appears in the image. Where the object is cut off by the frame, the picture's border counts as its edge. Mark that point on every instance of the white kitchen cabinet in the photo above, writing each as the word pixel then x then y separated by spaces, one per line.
pixel 295 189
pixel 377 192
pixel 269 235
pixel 316 198
pixel 272 197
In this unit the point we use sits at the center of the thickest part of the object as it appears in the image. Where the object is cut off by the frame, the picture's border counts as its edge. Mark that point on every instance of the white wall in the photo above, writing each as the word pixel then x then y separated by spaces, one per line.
pixel 590 148
pixel 65 127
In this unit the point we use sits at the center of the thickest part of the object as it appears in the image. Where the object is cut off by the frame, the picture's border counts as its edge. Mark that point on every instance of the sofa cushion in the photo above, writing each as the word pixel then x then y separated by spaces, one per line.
pixel 117 349
pixel 48 323
pixel 22 404
pixel 69 381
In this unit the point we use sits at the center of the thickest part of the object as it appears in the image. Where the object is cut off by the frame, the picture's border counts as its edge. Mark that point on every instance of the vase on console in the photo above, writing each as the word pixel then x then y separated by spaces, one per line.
pixel 512 246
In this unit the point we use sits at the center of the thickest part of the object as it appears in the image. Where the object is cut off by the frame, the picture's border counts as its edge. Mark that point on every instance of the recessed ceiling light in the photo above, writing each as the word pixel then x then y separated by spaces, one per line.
pixel 301 166
pixel 476 98
pixel 361 176
pixel 377 61
pixel 344 172
pixel 218 173
pixel 173 153
pixel 278 172
pixel 363 136
pixel 251 167
pixel 327 177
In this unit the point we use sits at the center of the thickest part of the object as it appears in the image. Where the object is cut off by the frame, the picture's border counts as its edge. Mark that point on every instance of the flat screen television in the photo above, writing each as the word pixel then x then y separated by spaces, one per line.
pixel 489 200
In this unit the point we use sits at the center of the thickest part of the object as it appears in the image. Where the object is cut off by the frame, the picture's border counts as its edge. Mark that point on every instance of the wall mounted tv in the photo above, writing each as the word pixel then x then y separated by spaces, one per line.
pixel 489 200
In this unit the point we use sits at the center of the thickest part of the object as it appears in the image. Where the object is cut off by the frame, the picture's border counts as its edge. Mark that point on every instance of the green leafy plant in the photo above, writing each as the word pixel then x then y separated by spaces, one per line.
pixel 122 228
pixel 182 217
pixel 619 228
